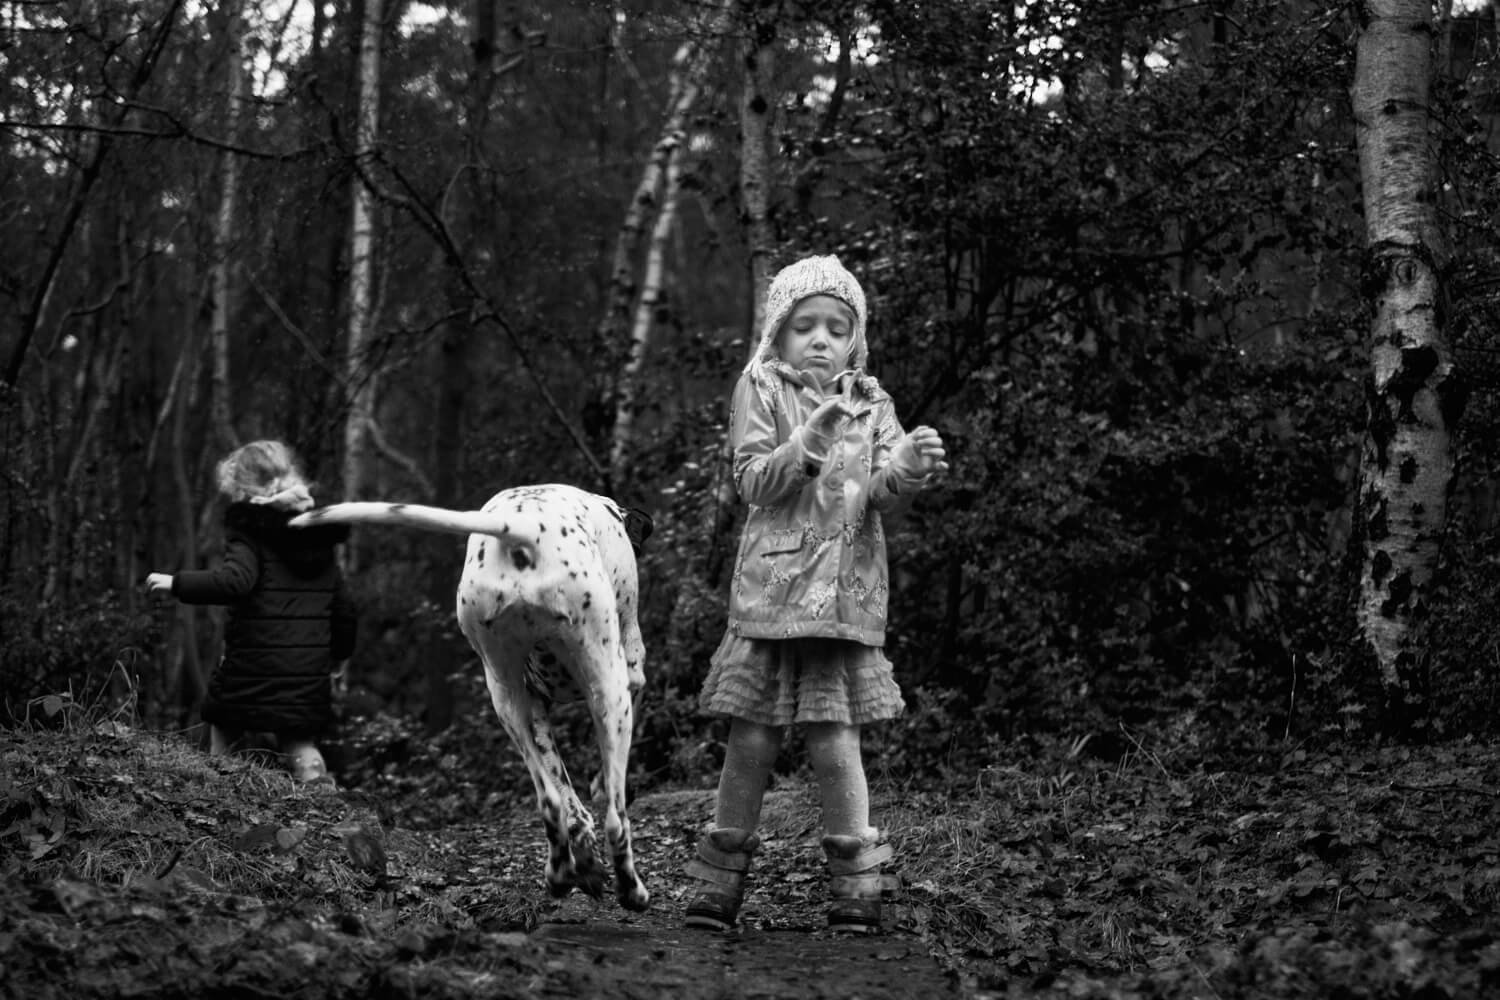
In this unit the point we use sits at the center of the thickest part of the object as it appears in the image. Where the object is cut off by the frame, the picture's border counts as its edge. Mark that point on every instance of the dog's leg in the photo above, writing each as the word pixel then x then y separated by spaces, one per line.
pixel 635 650
pixel 610 705
pixel 619 655
pixel 616 553
pixel 569 826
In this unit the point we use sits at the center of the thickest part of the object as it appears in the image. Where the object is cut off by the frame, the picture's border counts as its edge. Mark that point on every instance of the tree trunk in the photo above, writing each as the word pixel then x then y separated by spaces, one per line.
pixel 1414 404
pixel 184 683
pixel 658 187
pixel 445 552
pixel 653 298
pixel 757 103
pixel 361 381
pixel 444 556
pixel 229 179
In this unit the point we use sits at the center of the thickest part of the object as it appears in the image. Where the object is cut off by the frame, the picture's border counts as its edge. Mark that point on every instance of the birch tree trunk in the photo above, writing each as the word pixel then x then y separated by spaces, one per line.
pixel 659 187
pixel 653 297
pixel 360 380
pixel 1414 404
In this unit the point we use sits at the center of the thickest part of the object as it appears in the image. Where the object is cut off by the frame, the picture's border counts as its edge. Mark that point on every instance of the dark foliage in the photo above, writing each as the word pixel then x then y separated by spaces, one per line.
pixel 1112 254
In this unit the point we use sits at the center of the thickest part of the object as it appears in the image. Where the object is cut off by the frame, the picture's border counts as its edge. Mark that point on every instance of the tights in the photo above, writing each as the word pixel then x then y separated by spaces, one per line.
pixel 834 751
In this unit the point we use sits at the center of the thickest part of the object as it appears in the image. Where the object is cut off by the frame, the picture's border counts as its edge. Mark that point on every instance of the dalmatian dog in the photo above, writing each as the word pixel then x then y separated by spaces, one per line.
pixel 547 599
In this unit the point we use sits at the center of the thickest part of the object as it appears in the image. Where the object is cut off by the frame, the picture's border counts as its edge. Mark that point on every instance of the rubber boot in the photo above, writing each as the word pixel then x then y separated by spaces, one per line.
pixel 856 882
pixel 722 863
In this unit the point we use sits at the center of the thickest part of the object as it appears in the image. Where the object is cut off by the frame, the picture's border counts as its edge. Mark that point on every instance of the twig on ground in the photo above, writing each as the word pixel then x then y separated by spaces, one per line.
pixel 1445 786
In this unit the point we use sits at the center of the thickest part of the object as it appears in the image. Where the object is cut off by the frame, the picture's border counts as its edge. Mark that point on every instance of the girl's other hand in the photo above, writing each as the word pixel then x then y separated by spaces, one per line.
pixel 920 453
pixel 158 583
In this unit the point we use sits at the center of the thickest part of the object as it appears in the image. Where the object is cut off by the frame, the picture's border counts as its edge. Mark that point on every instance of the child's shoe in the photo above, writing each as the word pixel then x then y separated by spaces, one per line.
pixel 722 863
pixel 305 761
pixel 856 882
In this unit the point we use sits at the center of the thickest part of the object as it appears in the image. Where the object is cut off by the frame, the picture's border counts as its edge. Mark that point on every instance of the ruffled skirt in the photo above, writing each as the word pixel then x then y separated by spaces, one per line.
pixel 776 682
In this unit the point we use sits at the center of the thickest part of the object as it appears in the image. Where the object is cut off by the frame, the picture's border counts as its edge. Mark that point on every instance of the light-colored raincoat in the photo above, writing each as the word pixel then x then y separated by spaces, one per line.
pixel 812 558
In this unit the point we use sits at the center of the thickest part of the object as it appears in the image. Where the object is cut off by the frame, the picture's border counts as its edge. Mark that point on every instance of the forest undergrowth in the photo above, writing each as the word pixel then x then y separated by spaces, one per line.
pixel 133 865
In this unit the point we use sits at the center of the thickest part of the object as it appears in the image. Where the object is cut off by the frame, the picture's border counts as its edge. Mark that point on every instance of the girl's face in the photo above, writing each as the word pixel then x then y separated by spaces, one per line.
pixel 818 336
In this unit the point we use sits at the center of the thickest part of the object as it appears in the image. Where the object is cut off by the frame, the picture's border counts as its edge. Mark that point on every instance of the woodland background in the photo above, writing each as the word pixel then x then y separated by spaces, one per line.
pixel 1114 252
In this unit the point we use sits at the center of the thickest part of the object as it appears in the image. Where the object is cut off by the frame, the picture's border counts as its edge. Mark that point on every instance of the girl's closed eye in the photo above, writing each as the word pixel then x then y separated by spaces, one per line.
pixel 818 336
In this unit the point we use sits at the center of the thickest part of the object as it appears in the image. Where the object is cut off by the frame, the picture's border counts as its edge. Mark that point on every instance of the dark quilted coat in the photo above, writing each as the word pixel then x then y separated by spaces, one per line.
pixel 289 620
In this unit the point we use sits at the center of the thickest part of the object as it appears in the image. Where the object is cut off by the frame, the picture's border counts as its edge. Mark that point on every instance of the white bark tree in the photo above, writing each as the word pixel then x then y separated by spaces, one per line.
pixel 1414 404
pixel 653 296
pixel 659 188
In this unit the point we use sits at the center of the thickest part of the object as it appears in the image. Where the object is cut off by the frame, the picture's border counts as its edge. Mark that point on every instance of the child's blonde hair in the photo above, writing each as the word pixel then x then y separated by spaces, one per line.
pixel 264 472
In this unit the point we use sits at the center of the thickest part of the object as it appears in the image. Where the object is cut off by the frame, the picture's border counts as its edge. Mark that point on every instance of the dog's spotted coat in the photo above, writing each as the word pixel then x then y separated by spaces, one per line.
pixel 548 600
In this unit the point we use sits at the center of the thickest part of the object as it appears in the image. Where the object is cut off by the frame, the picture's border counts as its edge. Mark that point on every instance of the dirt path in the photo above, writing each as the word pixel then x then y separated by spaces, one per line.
pixel 781 951
pixel 653 961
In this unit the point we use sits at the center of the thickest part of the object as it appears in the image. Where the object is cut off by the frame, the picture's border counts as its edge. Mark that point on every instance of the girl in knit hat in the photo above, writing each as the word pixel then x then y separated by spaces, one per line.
pixel 289 621
pixel 819 457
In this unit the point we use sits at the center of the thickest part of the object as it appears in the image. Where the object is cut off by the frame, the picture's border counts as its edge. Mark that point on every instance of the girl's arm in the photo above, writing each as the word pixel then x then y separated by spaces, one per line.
pixel 767 469
pixel 901 463
pixel 226 583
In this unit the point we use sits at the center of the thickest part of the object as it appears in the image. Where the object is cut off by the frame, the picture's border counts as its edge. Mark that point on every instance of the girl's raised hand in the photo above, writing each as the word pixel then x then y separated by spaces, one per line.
pixel 158 583
pixel 920 453
pixel 824 421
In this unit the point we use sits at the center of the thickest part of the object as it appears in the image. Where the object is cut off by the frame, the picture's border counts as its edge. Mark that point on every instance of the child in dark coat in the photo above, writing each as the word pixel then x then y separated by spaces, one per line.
pixel 290 620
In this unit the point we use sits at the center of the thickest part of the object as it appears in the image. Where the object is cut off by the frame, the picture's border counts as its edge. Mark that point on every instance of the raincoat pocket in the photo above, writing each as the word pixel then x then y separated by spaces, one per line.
pixel 779 543
pixel 770 568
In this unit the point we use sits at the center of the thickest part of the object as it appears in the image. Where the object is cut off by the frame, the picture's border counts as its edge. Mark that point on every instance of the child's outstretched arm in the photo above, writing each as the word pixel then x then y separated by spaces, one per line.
pixel 233 579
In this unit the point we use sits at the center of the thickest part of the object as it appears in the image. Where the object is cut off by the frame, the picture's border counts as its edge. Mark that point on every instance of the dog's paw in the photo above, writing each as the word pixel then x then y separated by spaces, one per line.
pixel 588 876
pixel 634 897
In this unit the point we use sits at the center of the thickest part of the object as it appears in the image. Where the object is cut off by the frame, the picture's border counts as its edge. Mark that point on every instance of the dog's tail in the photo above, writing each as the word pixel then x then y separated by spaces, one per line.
pixel 519 533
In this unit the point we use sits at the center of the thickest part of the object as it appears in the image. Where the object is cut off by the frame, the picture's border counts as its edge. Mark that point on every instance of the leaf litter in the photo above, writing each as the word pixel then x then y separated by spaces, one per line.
pixel 135 866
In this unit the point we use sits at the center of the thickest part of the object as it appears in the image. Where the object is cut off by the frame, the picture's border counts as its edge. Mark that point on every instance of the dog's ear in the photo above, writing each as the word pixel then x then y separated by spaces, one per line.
pixel 638 527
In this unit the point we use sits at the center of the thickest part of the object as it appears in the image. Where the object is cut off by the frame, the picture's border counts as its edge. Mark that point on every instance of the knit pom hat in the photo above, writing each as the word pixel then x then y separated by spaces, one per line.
pixel 818 275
